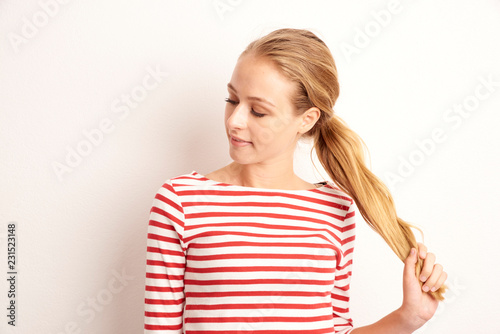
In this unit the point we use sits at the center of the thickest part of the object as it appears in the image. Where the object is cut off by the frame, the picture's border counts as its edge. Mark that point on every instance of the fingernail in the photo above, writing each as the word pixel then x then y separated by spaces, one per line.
pixel 425 288
pixel 433 289
pixel 423 278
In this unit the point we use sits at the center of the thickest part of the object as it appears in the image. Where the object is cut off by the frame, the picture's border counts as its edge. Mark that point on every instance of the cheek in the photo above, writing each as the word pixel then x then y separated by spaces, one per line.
pixel 227 114
pixel 265 136
pixel 271 131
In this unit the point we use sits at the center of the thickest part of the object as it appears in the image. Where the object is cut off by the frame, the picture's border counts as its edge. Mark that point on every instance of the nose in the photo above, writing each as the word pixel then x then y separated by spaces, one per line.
pixel 238 117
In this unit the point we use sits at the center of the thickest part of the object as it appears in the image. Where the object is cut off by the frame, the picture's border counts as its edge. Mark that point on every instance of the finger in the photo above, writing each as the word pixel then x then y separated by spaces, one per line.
pixel 427 266
pixel 433 278
pixel 411 260
pixel 440 281
pixel 422 250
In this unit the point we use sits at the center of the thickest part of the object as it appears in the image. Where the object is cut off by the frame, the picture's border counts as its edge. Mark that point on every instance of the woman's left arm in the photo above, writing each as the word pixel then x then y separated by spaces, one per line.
pixel 418 306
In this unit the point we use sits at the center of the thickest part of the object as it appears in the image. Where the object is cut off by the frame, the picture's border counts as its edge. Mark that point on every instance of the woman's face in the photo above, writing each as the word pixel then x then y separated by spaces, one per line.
pixel 259 111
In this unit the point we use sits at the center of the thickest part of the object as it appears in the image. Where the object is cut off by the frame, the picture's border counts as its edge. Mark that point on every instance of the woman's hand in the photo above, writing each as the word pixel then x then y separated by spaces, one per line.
pixel 419 306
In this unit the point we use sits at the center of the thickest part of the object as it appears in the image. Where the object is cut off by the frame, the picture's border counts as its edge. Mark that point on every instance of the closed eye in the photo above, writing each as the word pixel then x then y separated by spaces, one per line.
pixel 256 114
pixel 228 100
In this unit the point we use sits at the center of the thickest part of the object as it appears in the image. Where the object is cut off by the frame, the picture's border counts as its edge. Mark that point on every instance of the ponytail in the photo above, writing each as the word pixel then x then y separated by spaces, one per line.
pixel 340 151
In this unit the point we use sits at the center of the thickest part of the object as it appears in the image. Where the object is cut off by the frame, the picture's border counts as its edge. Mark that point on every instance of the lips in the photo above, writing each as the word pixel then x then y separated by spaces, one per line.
pixel 239 139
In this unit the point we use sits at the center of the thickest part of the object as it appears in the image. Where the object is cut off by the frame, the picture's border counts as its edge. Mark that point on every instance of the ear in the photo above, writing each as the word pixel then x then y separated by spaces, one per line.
pixel 309 118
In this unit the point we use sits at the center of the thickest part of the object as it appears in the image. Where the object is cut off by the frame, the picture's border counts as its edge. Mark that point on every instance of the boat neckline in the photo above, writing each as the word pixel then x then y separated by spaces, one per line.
pixel 324 184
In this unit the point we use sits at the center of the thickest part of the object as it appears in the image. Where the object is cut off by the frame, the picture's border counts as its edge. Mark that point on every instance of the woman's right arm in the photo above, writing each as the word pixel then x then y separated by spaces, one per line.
pixel 165 264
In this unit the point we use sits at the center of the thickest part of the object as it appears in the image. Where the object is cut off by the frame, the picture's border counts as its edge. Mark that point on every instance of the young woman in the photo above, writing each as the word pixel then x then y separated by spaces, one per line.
pixel 253 248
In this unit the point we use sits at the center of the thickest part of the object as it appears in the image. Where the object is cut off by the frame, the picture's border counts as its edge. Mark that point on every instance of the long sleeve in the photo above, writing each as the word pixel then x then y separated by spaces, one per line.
pixel 165 264
pixel 340 292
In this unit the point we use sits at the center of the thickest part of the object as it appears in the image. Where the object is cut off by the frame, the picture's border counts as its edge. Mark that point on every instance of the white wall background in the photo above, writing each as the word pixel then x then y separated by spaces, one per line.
pixel 66 69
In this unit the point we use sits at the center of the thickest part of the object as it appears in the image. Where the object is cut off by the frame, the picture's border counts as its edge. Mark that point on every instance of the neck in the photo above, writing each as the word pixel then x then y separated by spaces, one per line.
pixel 275 176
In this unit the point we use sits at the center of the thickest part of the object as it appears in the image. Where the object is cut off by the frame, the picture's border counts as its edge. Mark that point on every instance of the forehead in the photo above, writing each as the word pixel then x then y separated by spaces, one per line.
pixel 260 77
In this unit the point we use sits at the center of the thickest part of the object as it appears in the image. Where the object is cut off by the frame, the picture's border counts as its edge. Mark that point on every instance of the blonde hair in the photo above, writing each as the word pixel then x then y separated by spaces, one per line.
pixel 306 60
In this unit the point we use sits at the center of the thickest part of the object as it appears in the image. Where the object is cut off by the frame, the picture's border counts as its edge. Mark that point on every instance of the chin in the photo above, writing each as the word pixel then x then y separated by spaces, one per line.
pixel 242 158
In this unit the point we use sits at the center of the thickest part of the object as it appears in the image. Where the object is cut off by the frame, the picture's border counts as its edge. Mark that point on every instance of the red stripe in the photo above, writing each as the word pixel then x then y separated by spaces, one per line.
pixel 168 201
pixel 153 236
pixel 350 214
pixel 267 331
pixel 259 256
pixel 164 302
pixel 163 314
pixel 156 223
pixel 163 276
pixel 351 238
pixel 163 327
pixel 256 306
pixel 257 281
pixel 261 215
pixel 193 294
pixel 164 288
pixel 257 319
pixel 261 268
pixel 343 288
pixel 260 244
pixel 339 297
pixel 348 263
pixel 348 227
pixel 261 235
pixel 340 310
pixel 341 277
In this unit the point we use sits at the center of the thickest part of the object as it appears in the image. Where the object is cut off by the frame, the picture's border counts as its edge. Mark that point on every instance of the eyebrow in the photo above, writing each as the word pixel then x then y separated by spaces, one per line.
pixel 251 97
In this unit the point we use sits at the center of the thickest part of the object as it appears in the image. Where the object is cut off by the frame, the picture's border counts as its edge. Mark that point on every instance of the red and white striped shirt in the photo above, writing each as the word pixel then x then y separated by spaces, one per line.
pixel 230 259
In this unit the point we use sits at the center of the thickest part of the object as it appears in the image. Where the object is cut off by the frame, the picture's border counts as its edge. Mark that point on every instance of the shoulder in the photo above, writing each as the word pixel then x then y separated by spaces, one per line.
pixel 340 196
pixel 186 183
pixel 191 178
